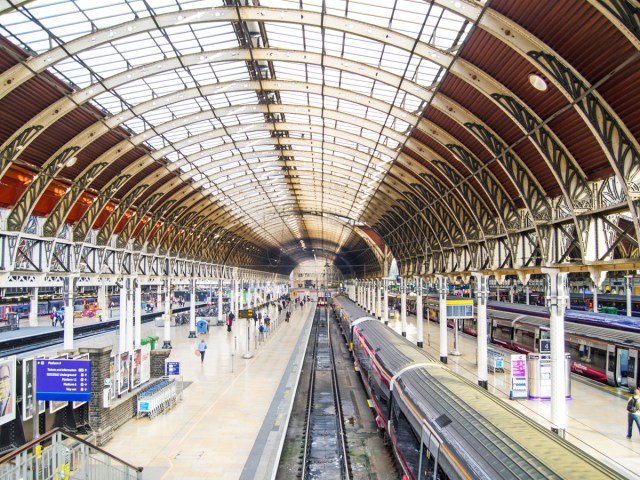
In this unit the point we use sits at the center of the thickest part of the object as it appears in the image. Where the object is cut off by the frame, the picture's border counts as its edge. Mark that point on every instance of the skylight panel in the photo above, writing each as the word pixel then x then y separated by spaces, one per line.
pixel 283 35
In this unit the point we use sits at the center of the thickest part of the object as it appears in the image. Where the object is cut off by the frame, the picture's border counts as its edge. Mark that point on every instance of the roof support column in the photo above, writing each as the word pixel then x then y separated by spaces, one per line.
pixel 379 299
pixel 167 315
pixel 192 309
pixel 33 308
pixel 68 295
pixel 557 303
pixel 628 289
pixel 403 306
pixel 419 315
pixel 137 335
pixel 385 306
pixel 130 315
pixel 482 295
pixel 220 297
pixel 122 339
pixel 103 301
pixel 442 291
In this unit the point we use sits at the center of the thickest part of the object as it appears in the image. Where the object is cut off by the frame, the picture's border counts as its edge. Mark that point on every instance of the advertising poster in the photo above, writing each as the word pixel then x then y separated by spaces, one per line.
pixel 518 376
pixel 7 389
pixel 84 356
pixel 145 376
pixel 27 390
pixel 112 376
pixel 55 405
pixel 124 372
pixel 136 368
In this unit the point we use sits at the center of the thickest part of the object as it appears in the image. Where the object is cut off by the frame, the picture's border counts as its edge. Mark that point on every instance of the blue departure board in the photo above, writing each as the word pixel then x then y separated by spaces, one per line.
pixel 63 380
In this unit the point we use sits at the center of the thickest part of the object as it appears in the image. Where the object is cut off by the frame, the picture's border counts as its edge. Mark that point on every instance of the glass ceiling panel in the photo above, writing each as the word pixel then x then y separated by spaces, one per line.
pixel 246 158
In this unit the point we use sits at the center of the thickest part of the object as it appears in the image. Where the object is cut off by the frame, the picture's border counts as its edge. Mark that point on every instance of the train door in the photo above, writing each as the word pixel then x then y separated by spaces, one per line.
pixel 633 373
pixel 617 366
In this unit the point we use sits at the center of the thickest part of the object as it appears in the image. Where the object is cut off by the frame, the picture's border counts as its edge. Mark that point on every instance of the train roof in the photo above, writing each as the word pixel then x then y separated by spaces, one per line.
pixel 351 308
pixel 398 352
pixel 489 437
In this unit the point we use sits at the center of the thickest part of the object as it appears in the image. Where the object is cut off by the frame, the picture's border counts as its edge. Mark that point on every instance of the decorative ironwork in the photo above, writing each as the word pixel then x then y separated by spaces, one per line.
pixel 17 145
pixel 626 12
pixel 531 193
pixel 114 219
pixel 83 226
pixel 503 204
pixel 612 135
pixel 570 177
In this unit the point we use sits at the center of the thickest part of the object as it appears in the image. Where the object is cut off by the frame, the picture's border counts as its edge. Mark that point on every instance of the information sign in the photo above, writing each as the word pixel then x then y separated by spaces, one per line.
pixel 172 368
pixel 518 376
pixel 63 380
pixel 248 313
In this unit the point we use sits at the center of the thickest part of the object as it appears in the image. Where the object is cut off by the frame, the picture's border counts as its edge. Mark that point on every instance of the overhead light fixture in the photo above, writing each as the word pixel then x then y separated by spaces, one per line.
pixel 538 82
pixel 72 161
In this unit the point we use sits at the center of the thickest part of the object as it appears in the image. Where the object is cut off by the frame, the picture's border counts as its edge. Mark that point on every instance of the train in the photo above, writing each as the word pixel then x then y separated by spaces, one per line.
pixel 603 347
pixel 442 426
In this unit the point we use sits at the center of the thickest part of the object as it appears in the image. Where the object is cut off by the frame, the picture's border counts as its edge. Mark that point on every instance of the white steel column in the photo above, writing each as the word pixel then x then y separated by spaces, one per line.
pixel 137 336
pixel 403 306
pixel 220 296
pixel 103 303
pixel 629 288
pixel 33 308
pixel 122 338
pixel 158 298
pixel 69 292
pixel 167 315
pixel 419 315
pixel 482 295
pixel 130 314
pixel 385 306
pixel 557 303
pixel 379 299
pixel 442 291
pixel 192 309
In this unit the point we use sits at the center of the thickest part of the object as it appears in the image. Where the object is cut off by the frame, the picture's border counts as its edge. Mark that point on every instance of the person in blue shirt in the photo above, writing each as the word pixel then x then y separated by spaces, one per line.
pixel 202 347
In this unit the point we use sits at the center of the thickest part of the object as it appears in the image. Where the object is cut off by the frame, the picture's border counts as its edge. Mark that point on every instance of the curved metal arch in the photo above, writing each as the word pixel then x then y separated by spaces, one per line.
pixel 569 176
pixel 502 203
pixel 529 189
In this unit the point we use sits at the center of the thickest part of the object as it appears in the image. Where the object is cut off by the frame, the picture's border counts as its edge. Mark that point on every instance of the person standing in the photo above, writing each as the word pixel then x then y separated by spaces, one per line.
pixel 202 348
pixel 633 412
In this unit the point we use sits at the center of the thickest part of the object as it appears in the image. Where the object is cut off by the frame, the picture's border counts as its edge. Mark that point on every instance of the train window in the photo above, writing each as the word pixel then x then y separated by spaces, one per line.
pixel 526 338
pixel 631 368
pixel 612 362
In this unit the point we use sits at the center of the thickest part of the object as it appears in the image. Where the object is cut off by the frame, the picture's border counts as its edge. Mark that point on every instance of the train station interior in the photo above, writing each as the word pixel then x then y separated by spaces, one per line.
pixel 164 163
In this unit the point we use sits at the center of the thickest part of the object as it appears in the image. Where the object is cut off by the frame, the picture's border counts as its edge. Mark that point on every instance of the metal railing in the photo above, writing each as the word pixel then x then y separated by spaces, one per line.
pixel 59 455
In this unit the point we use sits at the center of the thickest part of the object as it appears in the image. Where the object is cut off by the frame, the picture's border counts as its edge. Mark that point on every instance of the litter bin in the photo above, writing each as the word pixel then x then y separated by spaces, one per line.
pixel 202 326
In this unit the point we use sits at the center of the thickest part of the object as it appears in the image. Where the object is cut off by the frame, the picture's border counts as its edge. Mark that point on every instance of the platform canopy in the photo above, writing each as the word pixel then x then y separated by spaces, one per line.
pixel 454 136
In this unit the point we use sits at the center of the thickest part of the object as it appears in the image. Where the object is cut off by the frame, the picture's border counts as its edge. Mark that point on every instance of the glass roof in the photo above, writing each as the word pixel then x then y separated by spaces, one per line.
pixel 289 124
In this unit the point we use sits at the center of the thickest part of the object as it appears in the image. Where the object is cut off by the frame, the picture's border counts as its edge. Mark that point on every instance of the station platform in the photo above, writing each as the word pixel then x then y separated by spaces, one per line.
pixel 232 420
pixel 233 417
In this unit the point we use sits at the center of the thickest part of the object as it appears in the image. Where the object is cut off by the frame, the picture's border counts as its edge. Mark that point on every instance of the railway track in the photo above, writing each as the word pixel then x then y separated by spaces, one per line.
pixel 324 452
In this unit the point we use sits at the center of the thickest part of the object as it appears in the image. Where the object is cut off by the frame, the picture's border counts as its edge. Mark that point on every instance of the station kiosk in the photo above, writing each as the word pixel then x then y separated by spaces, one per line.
pixel 539 375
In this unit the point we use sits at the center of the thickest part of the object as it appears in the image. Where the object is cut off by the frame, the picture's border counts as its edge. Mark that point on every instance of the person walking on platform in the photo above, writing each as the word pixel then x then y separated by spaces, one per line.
pixel 633 412
pixel 230 319
pixel 202 348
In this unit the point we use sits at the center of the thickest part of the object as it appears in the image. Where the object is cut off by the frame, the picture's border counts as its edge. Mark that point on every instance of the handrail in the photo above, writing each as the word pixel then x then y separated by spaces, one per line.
pixel 50 434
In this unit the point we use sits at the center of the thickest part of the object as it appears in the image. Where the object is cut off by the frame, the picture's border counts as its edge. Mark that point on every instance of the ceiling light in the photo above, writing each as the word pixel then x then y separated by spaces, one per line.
pixel 72 161
pixel 538 82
